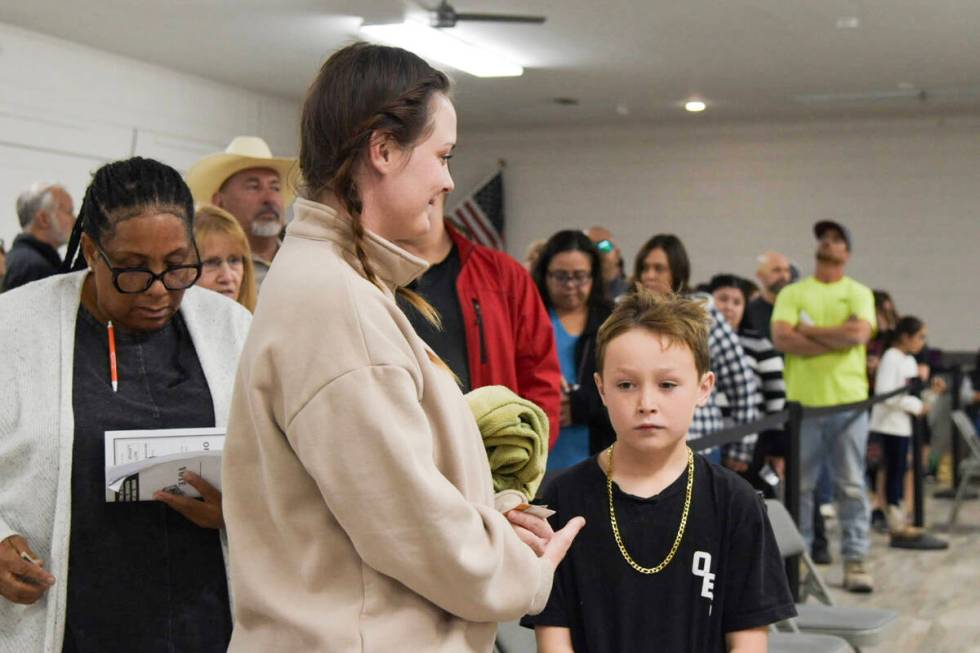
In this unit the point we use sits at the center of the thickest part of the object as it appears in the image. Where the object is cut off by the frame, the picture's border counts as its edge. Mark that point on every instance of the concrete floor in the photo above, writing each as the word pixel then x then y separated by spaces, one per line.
pixel 936 593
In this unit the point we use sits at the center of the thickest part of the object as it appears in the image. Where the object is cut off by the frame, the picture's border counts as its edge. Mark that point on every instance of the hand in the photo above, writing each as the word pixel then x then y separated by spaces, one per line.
pixel 21 581
pixel 565 407
pixel 565 411
pixel 873 361
pixel 938 385
pixel 736 465
pixel 778 465
pixel 206 513
pixel 553 545
pixel 533 531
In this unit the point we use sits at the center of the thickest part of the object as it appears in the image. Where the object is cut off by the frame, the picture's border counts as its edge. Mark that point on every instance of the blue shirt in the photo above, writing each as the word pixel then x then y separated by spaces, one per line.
pixel 573 441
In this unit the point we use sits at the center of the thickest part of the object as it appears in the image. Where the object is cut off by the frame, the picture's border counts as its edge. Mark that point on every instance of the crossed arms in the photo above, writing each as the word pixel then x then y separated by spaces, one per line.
pixel 808 340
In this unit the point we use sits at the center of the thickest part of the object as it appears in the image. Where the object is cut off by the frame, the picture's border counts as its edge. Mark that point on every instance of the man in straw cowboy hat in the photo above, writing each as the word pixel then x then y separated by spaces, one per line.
pixel 252 185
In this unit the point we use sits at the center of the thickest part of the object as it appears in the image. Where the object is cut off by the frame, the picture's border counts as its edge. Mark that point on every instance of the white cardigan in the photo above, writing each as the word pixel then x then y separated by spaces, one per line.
pixel 892 415
pixel 37 427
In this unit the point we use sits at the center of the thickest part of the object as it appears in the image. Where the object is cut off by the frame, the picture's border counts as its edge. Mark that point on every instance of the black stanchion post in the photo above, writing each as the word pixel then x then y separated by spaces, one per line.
pixel 954 433
pixel 792 486
pixel 918 512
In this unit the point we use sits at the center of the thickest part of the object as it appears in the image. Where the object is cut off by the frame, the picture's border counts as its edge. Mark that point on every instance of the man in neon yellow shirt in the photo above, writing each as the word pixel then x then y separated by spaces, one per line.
pixel 822 324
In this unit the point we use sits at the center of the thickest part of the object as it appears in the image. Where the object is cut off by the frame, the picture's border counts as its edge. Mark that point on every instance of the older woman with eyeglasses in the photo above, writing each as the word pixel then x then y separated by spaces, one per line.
pixel 568 274
pixel 91 575
pixel 226 257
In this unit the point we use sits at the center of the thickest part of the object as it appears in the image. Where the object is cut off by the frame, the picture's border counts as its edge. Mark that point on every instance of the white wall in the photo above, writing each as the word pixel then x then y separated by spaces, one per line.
pixel 909 191
pixel 65 109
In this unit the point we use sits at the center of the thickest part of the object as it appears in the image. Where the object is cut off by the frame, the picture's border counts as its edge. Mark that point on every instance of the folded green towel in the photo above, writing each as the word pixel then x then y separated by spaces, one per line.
pixel 515 434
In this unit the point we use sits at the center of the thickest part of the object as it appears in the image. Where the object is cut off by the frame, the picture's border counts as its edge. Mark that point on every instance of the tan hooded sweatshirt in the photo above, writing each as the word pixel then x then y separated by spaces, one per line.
pixel 357 492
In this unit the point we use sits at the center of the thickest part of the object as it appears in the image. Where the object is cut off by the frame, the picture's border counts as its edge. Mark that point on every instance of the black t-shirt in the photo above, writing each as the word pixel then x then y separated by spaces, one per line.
pixel 438 287
pixel 141 576
pixel 758 316
pixel 727 574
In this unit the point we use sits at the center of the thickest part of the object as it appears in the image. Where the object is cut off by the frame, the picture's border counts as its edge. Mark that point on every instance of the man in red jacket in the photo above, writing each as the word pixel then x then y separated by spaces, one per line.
pixel 495 330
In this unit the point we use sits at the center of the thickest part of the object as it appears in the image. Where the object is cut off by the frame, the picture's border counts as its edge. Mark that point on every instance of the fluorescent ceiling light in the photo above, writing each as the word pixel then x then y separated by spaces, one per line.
pixel 437 45
pixel 694 106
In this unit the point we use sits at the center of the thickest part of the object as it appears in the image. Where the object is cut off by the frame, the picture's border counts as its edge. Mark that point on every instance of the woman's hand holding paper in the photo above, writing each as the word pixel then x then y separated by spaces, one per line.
pixel 543 540
pixel 206 512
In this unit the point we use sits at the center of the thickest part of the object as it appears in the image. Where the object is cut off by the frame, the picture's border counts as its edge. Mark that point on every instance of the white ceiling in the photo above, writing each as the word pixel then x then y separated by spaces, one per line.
pixel 750 59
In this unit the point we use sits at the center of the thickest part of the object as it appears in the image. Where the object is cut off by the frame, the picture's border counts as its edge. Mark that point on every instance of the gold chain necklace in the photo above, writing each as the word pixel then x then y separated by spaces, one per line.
pixel 680 529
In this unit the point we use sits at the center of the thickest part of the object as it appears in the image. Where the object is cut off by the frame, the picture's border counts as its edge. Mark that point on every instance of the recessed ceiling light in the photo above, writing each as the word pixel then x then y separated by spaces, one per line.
pixel 907 86
pixel 695 106
pixel 622 110
pixel 848 22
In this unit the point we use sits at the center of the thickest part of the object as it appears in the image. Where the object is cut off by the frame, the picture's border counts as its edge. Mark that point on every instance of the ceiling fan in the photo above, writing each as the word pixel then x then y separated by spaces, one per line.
pixel 444 16
pixel 908 92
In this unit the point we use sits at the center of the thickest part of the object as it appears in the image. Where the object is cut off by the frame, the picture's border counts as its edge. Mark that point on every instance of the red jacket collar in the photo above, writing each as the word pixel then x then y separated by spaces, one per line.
pixel 463 244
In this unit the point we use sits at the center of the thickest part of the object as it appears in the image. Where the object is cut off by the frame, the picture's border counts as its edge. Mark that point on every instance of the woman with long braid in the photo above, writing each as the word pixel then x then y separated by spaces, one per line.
pixel 357 490
pixel 78 574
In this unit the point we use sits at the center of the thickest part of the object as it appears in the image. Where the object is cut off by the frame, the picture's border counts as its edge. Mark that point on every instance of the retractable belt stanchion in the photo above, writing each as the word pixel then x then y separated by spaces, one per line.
pixel 954 433
pixel 791 419
pixel 918 510
pixel 791 490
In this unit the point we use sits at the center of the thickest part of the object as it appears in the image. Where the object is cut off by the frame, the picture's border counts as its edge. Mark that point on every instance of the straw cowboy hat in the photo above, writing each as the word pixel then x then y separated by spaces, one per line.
pixel 207 175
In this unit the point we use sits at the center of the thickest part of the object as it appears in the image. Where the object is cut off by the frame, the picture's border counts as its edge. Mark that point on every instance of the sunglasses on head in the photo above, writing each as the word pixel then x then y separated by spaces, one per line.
pixel 605 246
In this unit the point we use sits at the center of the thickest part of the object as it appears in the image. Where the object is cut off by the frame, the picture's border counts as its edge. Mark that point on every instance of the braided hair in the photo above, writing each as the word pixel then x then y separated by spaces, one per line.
pixel 127 189
pixel 363 90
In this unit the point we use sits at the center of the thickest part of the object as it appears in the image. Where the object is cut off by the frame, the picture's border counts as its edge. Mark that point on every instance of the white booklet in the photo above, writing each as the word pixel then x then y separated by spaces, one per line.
pixel 139 463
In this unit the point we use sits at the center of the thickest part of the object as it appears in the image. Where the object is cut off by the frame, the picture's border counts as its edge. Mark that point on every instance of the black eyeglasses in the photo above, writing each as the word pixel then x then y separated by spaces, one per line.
pixel 577 278
pixel 132 281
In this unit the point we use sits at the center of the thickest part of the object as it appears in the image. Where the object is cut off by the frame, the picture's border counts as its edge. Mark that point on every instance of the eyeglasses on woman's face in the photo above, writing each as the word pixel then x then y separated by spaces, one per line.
pixel 575 278
pixel 135 280
pixel 214 263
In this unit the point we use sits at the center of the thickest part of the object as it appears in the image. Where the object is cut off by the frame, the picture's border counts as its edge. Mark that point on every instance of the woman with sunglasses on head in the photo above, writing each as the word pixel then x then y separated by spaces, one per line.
pixel 613 266
pixel 358 494
pixel 92 575
pixel 569 277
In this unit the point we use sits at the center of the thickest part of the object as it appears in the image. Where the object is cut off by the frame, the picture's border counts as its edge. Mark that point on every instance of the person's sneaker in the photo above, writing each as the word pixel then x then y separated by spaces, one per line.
pixel 878 522
pixel 857 578
pixel 828 511
pixel 895 519
pixel 821 555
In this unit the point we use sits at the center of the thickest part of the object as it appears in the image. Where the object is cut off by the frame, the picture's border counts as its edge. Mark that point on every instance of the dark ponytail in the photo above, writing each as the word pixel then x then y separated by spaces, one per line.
pixel 906 326
pixel 123 190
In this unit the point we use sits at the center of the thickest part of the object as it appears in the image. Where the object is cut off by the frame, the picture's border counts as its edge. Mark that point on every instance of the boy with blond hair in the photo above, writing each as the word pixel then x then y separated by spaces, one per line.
pixel 678 554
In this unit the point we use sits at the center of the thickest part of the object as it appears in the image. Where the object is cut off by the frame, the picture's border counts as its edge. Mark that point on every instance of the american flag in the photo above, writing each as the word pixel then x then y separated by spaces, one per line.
pixel 481 213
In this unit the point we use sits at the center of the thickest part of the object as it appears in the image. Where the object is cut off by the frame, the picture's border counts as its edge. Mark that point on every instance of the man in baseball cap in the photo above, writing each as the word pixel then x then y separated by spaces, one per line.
pixel 822 323
pixel 252 185
pixel 824 226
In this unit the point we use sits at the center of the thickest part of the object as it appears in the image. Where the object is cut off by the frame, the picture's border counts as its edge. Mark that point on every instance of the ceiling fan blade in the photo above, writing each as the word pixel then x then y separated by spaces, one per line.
pixel 501 18
pixel 919 94
pixel 835 98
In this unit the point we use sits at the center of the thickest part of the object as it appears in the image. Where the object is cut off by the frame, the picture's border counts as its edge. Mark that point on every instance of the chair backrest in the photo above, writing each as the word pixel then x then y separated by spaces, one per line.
pixel 788 537
pixel 968 431
pixel 513 638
